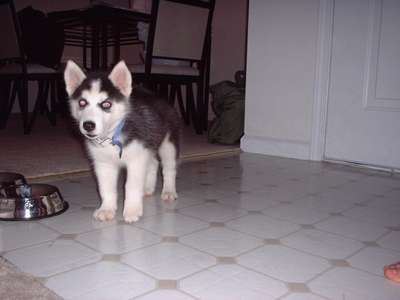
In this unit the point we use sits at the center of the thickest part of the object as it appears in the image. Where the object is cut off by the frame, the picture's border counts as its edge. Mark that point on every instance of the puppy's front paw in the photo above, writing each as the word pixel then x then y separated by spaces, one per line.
pixel 169 196
pixel 132 214
pixel 104 214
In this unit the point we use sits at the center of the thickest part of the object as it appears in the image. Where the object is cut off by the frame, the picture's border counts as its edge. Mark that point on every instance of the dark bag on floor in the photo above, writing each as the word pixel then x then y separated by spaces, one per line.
pixel 228 105
pixel 43 41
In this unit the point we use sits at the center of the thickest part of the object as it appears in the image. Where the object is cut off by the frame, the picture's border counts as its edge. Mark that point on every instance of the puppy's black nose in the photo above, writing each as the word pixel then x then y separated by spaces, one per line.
pixel 89 126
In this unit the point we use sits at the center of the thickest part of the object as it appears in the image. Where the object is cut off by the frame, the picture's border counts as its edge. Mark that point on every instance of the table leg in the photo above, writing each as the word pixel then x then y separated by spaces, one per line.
pixel 117 48
pixel 5 87
pixel 84 49
pixel 104 49
pixel 95 48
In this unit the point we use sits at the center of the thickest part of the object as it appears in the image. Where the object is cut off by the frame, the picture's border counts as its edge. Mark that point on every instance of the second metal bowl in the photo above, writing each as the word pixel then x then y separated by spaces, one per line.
pixel 31 201
pixel 8 182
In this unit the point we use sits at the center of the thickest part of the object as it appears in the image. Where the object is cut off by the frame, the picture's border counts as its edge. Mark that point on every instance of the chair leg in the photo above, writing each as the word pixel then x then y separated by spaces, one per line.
pixel 172 95
pixel 39 105
pixel 43 93
pixel 206 95
pixel 5 87
pixel 11 102
pixel 163 90
pixel 62 98
pixel 53 104
pixel 181 105
pixel 23 103
pixel 200 102
pixel 191 108
pixel 151 85
pixel 189 103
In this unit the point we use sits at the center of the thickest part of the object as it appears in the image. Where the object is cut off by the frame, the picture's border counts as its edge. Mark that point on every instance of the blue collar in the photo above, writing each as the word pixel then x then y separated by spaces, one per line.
pixel 116 136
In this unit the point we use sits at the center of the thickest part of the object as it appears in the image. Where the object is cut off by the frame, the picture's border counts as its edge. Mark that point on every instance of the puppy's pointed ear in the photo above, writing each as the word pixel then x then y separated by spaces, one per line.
pixel 73 76
pixel 121 77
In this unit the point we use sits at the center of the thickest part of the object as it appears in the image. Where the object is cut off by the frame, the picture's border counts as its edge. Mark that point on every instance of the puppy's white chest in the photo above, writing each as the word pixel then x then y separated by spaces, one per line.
pixel 104 151
pixel 108 152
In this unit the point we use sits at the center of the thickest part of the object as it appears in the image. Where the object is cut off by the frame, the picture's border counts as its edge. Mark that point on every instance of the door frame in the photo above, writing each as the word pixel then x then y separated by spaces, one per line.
pixel 322 80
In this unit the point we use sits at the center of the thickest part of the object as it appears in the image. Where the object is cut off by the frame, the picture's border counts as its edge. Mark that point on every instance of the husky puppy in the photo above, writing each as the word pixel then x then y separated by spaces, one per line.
pixel 124 130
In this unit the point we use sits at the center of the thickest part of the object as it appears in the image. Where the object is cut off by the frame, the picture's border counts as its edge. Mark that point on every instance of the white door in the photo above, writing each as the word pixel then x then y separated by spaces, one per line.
pixel 363 123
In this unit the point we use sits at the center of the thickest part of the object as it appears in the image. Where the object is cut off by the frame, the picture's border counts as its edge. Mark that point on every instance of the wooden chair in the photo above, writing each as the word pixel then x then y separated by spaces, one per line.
pixel 178 54
pixel 16 73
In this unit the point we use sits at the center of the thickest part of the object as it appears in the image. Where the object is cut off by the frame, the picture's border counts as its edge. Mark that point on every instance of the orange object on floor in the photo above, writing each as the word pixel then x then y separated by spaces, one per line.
pixel 392 272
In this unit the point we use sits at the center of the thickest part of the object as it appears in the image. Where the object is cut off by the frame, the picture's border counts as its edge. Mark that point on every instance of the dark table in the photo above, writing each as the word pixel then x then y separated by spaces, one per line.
pixel 98 27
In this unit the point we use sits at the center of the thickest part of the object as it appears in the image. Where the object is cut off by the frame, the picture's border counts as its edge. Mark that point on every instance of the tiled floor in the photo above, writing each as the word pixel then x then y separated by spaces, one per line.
pixel 244 227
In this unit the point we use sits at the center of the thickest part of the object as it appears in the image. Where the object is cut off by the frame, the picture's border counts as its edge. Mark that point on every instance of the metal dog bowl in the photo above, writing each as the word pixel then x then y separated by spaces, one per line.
pixel 31 201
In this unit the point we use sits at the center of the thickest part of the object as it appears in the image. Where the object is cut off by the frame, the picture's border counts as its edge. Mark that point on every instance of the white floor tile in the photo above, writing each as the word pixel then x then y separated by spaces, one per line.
pixel 352 228
pixel 289 192
pixel 371 184
pixel 169 224
pixel 258 179
pixel 76 222
pixel 373 259
pixel 344 195
pixel 150 208
pixel 394 194
pixel 303 296
pixel 53 257
pixel 165 295
pixel 184 200
pixel 212 212
pixel 73 207
pixel 377 215
pixel 232 282
pixel 101 281
pixel 262 226
pixel 330 202
pixel 208 192
pixel 383 180
pixel 118 239
pixel 391 241
pixel 251 201
pixel 296 214
pixel 324 181
pixel 350 284
pixel 168 261
pixel 323 244
pixel 221 241
pixel 284 263
pixel 17 235
pixel 86 200
pixel 390 203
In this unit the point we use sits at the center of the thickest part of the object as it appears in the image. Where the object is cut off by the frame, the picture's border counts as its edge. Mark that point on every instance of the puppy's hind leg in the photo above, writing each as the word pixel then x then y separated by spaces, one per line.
pixel 151 176
pixel 107 178
pixel 168 157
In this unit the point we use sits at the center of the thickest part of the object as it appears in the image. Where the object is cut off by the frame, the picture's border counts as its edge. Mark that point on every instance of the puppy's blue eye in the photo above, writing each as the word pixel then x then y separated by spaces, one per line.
pixel 82 103
pixel 106 104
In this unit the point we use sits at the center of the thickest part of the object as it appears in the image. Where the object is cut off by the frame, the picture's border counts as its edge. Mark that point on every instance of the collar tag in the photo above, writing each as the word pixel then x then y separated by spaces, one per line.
pixel 101 141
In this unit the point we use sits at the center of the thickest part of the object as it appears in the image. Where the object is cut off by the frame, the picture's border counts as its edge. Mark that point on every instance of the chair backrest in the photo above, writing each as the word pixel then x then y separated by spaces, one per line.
pixel 179 30
pixel 10 34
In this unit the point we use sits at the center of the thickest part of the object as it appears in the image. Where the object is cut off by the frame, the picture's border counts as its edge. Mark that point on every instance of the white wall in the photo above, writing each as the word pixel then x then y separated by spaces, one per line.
pixel 281 64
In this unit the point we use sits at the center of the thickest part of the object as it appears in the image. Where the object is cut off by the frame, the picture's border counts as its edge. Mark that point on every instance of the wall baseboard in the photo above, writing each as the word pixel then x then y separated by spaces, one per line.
pixel 276 147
